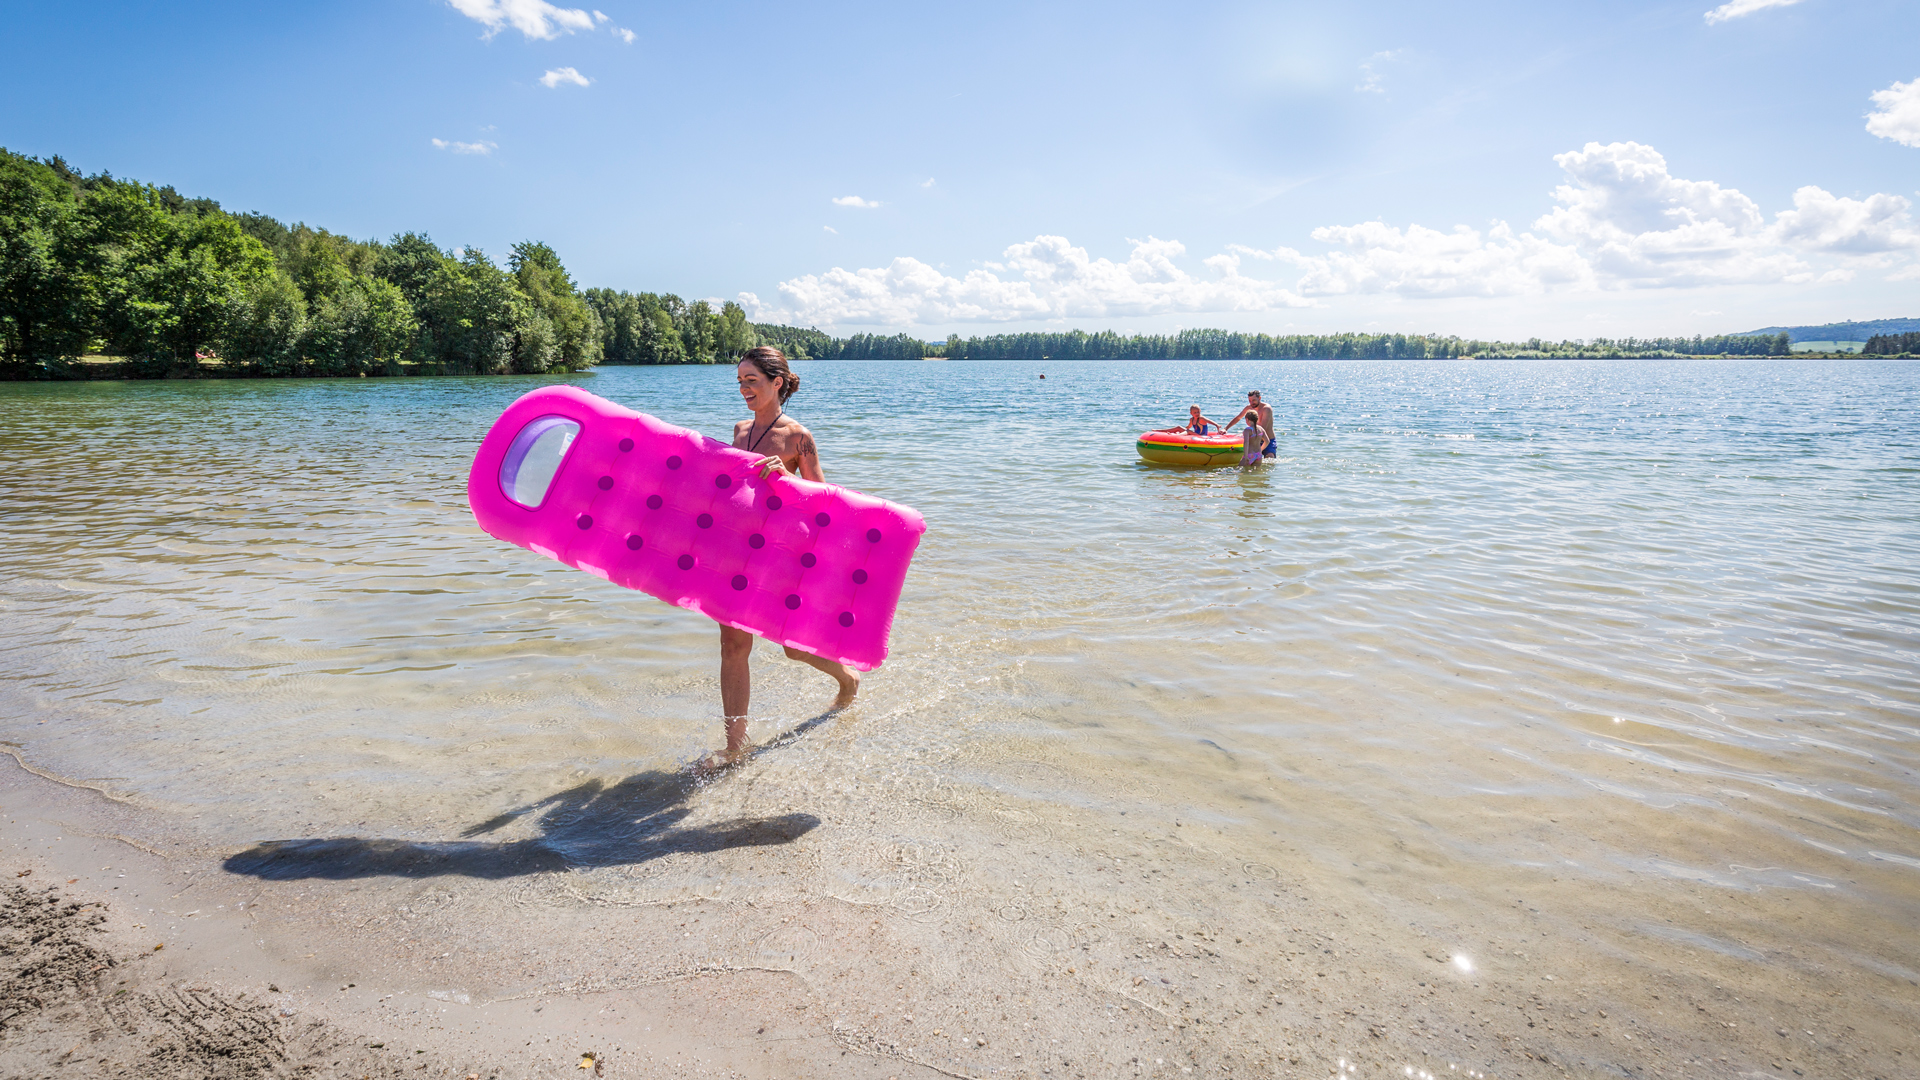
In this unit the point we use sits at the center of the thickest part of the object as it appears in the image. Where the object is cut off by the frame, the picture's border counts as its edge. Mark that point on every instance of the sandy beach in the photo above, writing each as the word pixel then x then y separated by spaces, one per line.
pixel 137 954
pixel 141 958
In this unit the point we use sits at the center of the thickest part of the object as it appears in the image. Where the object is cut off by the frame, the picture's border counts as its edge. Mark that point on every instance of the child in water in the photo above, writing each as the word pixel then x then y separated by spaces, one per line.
pixel 1196 423
pixel 1253 441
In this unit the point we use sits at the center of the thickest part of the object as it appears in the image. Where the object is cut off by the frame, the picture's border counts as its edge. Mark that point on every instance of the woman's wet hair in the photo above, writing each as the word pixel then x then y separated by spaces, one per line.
pixel 772 363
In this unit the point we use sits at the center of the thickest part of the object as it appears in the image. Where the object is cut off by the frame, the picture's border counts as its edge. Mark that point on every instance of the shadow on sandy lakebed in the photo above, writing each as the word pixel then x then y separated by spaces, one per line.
pixel 591 825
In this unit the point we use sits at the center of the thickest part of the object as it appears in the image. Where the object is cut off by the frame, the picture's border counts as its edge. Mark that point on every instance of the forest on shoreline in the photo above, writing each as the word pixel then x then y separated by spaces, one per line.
pixel 104 277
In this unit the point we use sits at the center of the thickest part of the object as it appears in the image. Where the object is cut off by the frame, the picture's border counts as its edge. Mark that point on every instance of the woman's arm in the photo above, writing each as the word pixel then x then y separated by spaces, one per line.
pixel 810 459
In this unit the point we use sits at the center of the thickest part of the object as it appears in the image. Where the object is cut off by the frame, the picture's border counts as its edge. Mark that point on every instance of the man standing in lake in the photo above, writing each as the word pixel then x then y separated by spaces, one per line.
pixel 1263 415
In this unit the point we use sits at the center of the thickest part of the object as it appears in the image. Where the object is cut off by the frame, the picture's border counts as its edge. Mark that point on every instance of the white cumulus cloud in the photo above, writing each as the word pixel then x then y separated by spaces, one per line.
pixel 1621 220
pixel 557 76
pixel 1821 221
pixel 1045 278
pixel 1733 9
pixel 465 147
pixel 1897 113
pixel 855 200
pixel 1638 225
pixel 534 18
pixel 624 34
pixel 1423 262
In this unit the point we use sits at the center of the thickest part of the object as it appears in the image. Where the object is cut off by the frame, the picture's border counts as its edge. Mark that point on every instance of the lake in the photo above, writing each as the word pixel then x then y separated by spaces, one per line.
pixel 1558 682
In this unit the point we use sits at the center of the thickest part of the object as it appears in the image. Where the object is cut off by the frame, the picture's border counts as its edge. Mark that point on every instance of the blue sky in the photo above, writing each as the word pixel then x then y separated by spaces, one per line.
pixel 1492 169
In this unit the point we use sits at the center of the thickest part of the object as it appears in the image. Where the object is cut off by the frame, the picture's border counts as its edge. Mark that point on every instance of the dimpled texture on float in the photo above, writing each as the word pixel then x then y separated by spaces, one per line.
pixel 682 517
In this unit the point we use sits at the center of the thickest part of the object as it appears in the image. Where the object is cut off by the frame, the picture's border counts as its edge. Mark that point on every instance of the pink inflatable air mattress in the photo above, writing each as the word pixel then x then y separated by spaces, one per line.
pixel 684 518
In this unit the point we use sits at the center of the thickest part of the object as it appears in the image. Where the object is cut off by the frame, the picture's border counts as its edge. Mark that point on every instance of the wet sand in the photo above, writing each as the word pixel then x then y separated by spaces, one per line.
pixel 360 968
pixel 142 957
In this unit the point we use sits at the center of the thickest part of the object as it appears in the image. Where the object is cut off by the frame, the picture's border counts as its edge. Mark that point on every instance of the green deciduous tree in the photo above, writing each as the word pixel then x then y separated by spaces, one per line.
pixel 167 280
pixel 572 327
pixel 266 327
pixel 46 300
pixel 734 333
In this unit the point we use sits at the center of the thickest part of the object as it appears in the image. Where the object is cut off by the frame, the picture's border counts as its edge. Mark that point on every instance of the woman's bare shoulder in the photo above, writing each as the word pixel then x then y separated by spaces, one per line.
pixel 797 439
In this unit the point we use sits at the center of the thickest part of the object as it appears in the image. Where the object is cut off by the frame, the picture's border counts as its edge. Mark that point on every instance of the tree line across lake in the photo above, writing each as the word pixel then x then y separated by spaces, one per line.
pixel 1907 344
pixel 175 285
pixel 1231 345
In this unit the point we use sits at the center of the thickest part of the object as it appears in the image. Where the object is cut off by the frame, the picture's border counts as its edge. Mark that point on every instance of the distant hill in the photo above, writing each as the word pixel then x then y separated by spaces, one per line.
pixel 1839 331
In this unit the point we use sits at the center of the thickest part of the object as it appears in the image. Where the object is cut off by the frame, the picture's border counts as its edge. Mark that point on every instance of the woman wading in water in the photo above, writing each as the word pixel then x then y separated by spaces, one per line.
pixel 765 385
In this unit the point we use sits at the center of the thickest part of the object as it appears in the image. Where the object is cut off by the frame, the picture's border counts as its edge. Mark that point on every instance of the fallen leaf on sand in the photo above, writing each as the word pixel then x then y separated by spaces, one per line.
pixel 71 880
pixel 23 873
pixel 157 948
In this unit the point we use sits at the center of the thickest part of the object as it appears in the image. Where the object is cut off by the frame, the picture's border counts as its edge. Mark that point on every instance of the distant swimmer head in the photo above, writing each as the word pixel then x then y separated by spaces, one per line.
pixel 763 370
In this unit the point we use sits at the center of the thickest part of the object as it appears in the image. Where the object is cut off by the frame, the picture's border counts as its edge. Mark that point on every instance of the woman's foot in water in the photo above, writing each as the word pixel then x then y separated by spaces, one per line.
pixel 849 681
pixel 721 760
pixel 738 749
pixel 848 678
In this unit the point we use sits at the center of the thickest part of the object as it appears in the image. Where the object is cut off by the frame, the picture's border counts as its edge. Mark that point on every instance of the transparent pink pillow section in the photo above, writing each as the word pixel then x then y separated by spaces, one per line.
pixel 683 517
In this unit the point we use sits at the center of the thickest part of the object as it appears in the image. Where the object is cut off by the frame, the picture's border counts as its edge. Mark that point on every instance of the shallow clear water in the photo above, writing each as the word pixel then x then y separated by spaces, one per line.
pixel 1622 635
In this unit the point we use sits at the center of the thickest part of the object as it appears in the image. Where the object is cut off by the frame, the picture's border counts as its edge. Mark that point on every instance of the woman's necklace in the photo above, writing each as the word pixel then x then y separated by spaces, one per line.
pixel 755 443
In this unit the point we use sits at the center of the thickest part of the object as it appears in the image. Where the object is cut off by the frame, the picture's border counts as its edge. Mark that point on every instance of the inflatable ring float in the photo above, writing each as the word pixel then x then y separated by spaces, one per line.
pixel 1182 448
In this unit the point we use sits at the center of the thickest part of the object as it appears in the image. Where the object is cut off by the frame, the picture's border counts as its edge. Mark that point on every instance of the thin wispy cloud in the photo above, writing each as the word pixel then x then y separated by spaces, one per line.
pixel 533 18
pixel 1733 9
pixel 556 76
pixel 599 16
pixel 855 200
pixel 927 183
pixel 1896 114
pixel 1372 79
pixel 456 147
pixel 624 34
pixel 831 229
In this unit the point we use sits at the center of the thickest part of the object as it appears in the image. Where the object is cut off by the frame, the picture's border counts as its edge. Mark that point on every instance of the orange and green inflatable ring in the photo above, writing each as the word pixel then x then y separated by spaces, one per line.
pixel 1181 448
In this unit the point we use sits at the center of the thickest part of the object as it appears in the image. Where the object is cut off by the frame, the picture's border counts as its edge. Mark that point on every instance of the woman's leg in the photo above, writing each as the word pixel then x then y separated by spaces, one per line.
pixel 848 678
pixel 736 684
